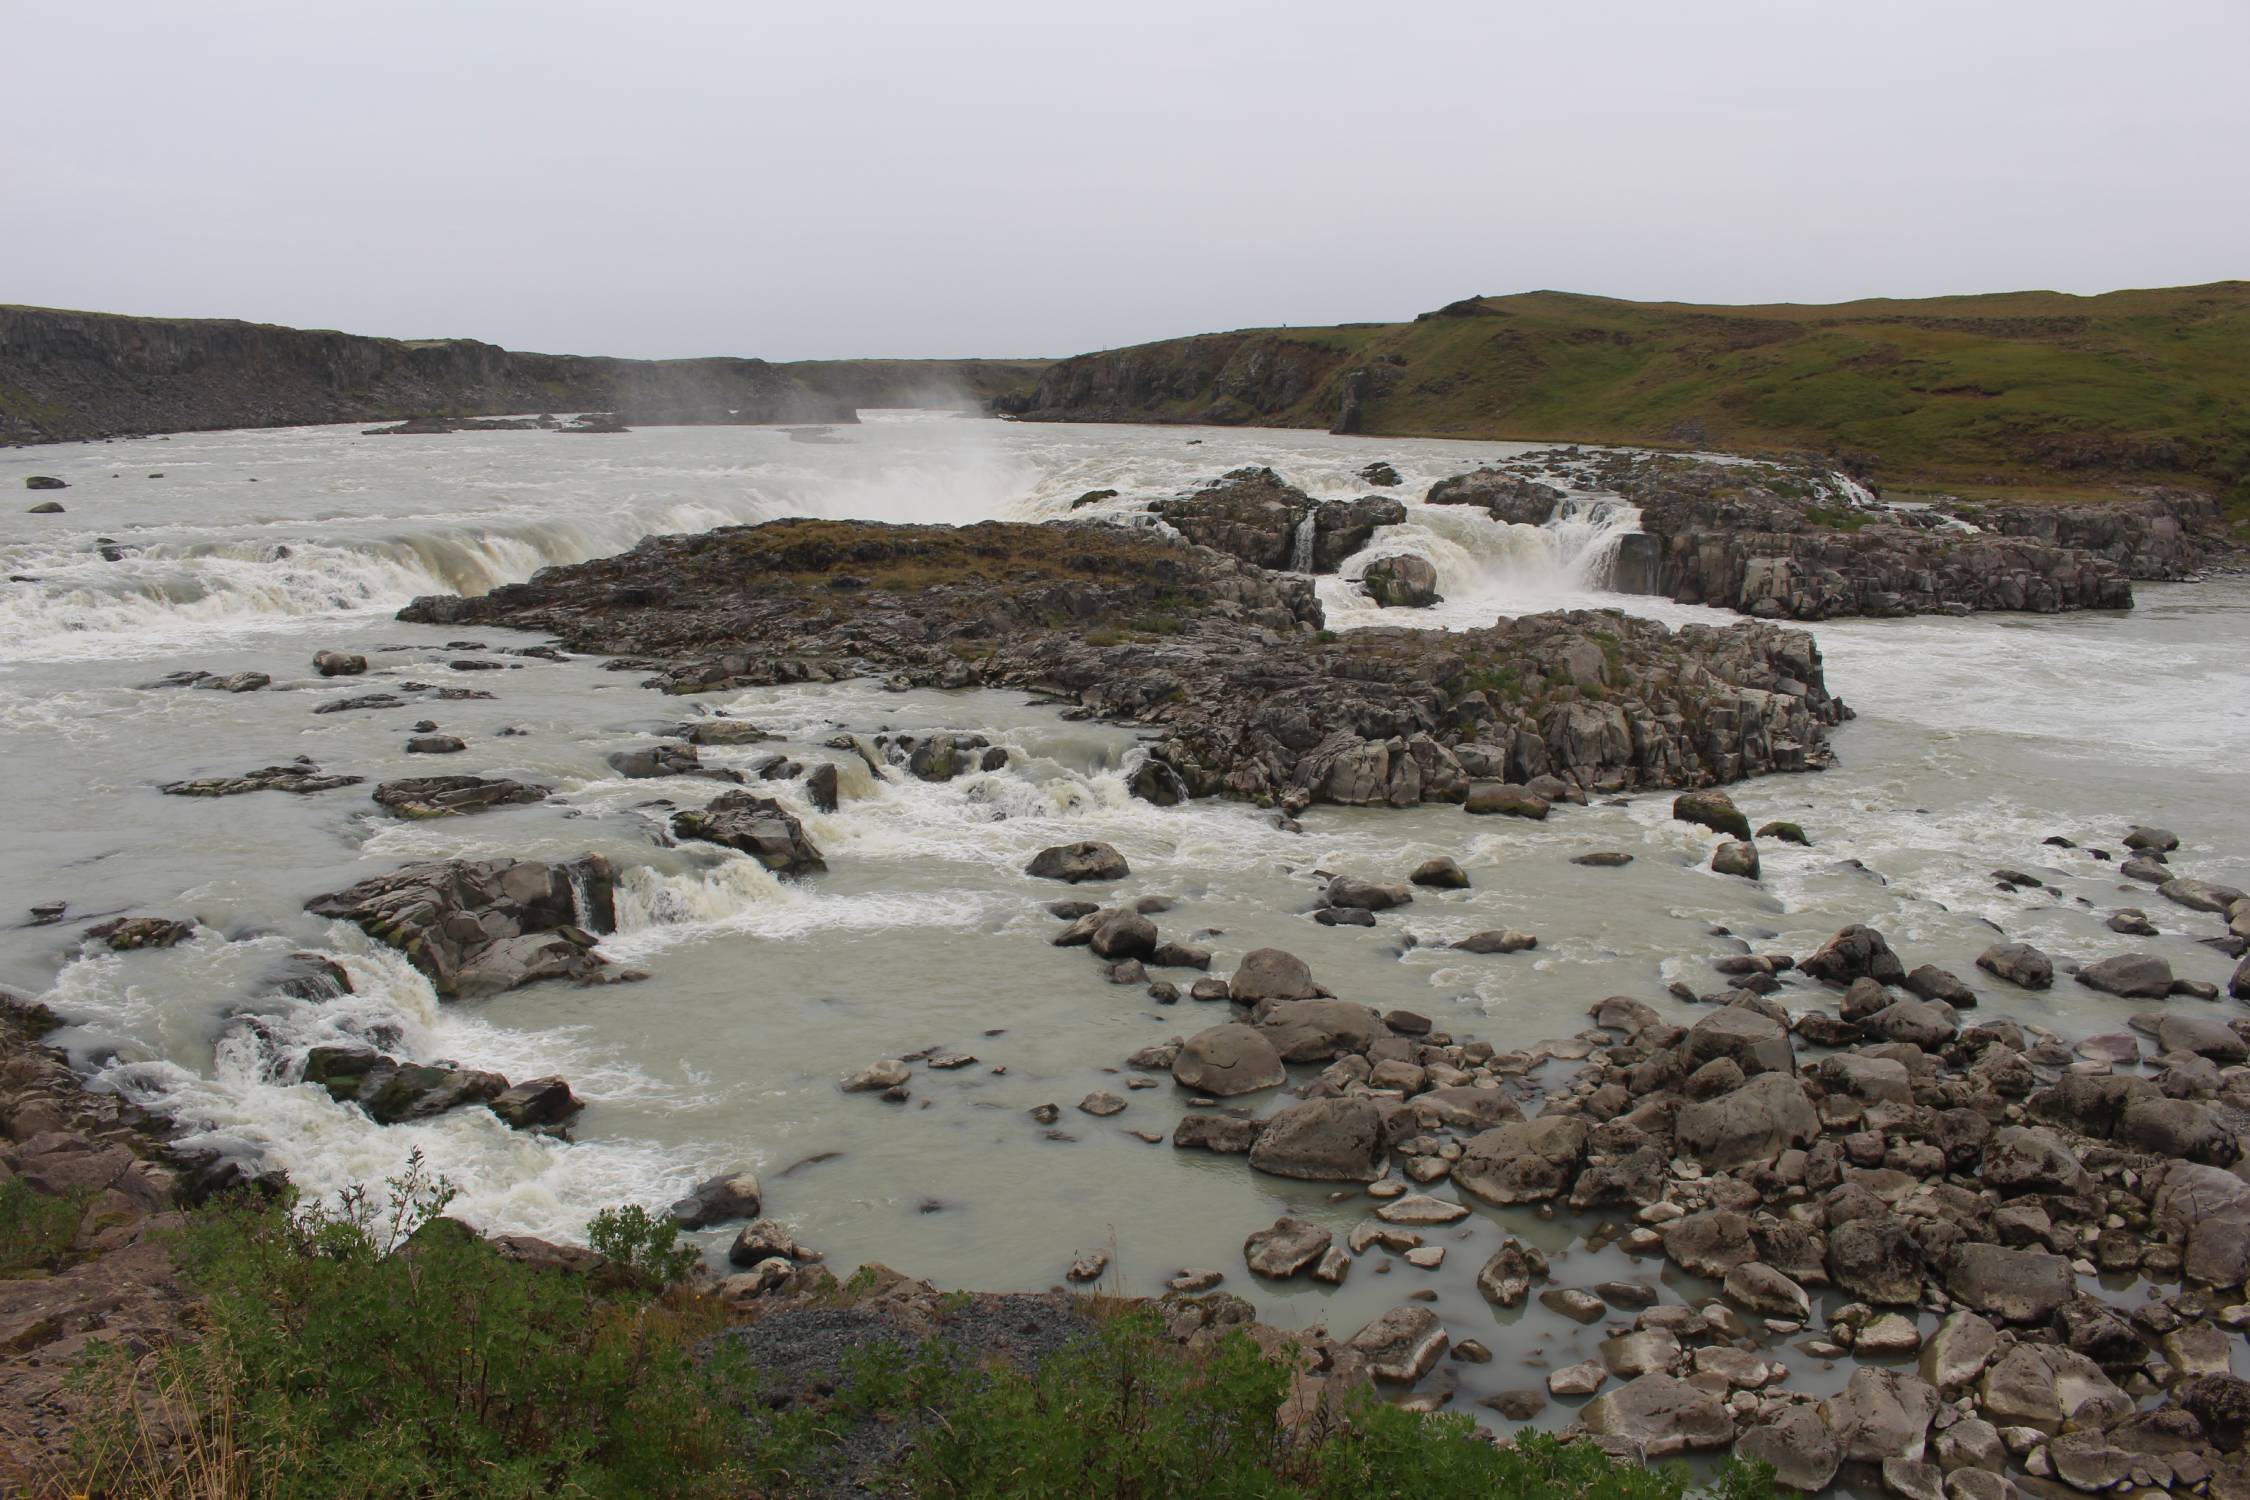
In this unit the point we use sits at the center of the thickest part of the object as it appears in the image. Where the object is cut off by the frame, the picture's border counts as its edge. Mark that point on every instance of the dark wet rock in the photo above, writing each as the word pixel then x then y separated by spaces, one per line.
pixel 1366 895
pixel 1507 497
pixel 478 927
pixel 656 761
pixel 1155 782
pixel 1933 983
pixel 338 664
pixel 1092 860
pixel 1440 872
pixel 1603 859
pixel 717 731
pixel 435 744
pixel 1927 1024
pixel 445 796
pixel 1736 857
pixel 1228 1060
pixel 1856 952
pixel 1496 941
pixel 1326 1140
pixel 391 1091
pixel 300 778
pixel 716 1200
pixel 1123 935
pixel 2018 963
pixel 1317 1030
pixel 364 701
pixel 2045 1386
pixel 1713 810
pixel 2135 976
pixel 1379 474
pixel 822 786
pixel 126 933
pixel 1401 582
pixel 50 482
pixel 1882 1414
pixel 537 1104
pixel 45 508
pixel 1784 832
pixel 757 826
pixel 312 977
pixel 1492 798
pixel 2032 1159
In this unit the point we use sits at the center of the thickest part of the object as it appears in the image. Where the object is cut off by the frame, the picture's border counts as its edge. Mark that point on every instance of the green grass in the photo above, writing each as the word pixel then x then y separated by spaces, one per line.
pixel 36 1228
pixel 2054 395
pixel 377 1349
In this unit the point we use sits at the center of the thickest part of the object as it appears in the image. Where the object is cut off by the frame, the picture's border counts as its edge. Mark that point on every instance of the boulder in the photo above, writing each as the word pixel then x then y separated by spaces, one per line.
pixel 1496 941
pixel 1495 798
pixel 1124 934
pixel 1713 810
pixel 1318 1030
pixel 1876 1260
pixel 1401 582
pixel 1954 1356
pixel 1440 873
pixel 1736 857
pixel 2016 1286
pixel 1661 1417
pixel 757 826
pixel 2134 976
pixel 1752 1124
pixel 1506 1279
pixel 1756 1042
pixel 1366 895
pixel 1228 1060
pixel 2032 1159
pixel 338 664
pixel 1401 1345
pixel 1091 860
pixel 1271 974
pixel 2200 895
pixel 2044 1386
pixel 1324 1140
pixel 1882 1414
pixel 1856 952
pixel 1933 983
pixel 537 1104
pixel 1527 1161
pixel 1285 1247
pixel 2018 963
pixel 478 927
pixel 716 1200
pixel 1803 1449
pixel 1709 1244
pixel 1762 1289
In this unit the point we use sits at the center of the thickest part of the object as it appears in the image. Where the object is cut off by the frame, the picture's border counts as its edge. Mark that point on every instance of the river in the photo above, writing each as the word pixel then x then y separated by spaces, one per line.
pixel 1976 739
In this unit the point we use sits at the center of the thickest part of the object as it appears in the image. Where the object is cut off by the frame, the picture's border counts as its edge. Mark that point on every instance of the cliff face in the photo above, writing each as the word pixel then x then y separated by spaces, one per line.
pixel 74 375
pixel 1224 378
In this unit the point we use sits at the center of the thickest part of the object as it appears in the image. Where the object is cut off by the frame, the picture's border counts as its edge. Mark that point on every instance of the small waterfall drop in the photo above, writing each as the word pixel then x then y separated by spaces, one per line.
pixel 1301 550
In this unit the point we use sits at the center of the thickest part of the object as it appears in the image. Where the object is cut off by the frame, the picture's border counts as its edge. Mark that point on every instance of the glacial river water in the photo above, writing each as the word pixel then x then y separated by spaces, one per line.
pixel 1976 739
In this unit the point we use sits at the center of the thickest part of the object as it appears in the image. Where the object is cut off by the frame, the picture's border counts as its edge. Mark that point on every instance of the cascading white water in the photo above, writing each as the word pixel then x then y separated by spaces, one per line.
pixel 1301 549
pixel 1488 567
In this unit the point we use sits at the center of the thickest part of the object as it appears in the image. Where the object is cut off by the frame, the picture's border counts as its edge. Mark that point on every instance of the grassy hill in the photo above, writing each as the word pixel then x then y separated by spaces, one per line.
pixel 2036 392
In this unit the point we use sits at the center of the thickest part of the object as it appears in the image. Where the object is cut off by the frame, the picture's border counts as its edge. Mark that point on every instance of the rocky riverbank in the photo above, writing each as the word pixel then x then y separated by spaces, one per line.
pixel 1800 542
pixel 1249 698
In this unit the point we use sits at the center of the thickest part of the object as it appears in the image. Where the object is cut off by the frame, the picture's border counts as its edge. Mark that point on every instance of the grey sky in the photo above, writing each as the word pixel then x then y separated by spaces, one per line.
pixel 970 178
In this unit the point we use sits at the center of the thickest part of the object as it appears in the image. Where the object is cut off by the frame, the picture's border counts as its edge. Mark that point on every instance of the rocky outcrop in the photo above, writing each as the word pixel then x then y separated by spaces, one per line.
pixel 757 826
pixel 478 927
pixel 1224 662
pixel 1255 516
pixel 450 796
pixel 1790 543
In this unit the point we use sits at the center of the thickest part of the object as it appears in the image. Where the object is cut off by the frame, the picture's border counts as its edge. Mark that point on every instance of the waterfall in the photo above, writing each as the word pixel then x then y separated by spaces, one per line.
pixel 1301 551
pixel 1588 534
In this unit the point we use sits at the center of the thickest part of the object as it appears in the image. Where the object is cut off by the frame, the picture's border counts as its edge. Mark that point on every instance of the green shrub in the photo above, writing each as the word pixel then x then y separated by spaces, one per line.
pixel 642 1243
pixel 381 1350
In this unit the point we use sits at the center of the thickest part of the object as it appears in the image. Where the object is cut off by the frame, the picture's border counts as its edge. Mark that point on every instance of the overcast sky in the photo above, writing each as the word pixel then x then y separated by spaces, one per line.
pixel 952 177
